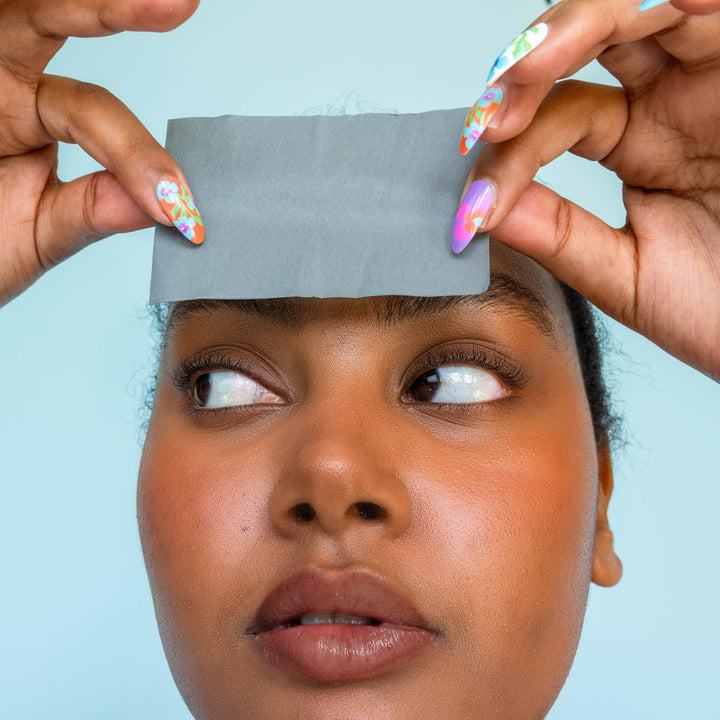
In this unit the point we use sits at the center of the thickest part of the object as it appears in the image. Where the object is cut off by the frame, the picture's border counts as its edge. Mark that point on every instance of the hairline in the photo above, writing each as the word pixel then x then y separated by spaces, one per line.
pixel 505 292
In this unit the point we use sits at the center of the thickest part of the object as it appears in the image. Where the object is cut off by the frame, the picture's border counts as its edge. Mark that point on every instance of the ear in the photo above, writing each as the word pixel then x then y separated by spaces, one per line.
pixel 607 568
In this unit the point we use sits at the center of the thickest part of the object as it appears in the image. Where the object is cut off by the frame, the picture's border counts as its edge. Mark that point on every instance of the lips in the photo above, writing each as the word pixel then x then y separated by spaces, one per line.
pixel 334 651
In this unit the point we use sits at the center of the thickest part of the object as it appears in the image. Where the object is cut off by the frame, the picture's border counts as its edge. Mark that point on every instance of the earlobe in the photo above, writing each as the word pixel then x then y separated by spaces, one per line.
pixel 607 568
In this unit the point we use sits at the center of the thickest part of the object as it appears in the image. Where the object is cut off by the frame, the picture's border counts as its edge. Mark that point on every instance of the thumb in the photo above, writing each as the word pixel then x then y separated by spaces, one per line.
pixel 72 215
pixel 578 248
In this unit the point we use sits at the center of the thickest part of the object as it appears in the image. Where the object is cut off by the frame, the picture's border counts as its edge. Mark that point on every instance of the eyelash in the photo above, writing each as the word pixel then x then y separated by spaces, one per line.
pixel 196 365
pixel 473 355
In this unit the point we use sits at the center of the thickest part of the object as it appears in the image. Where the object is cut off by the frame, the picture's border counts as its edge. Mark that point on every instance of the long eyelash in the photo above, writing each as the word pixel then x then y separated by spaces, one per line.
pixel 195 364
pixel 475 355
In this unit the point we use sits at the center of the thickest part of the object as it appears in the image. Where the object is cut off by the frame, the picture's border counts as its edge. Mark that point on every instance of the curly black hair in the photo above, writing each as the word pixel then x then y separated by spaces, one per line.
pixel 591 340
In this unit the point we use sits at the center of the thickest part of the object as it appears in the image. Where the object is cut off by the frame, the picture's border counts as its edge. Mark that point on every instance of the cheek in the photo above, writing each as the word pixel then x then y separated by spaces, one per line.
pixel 512 515
pixel 202 512
pixel 500 542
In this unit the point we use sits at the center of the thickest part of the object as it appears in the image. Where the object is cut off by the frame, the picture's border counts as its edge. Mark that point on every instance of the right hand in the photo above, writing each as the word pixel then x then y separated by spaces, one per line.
pixel 43 220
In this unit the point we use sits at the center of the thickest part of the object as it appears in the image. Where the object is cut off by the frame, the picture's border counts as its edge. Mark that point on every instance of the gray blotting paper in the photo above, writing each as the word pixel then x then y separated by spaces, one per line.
pixel 320 206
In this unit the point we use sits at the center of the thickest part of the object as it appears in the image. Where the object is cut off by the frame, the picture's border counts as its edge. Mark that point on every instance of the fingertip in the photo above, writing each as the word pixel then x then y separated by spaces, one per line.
pixel 178 205
pixel 199 234
pixel 481 115
pixel 457 246
pixel 473 213
pixel 156 16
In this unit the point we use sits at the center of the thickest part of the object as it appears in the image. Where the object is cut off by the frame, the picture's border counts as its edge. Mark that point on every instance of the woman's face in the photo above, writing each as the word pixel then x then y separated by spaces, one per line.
pixel 426 470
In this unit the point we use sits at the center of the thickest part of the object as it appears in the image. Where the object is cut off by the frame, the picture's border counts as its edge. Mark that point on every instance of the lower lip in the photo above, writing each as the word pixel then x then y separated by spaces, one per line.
pixel 336 651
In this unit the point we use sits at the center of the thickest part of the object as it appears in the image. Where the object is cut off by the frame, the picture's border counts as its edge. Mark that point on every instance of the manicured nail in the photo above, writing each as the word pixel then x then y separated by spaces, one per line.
pixel 178 204
pixel 524 43
pixel 647 4
pixel 474 208
pixel 479 117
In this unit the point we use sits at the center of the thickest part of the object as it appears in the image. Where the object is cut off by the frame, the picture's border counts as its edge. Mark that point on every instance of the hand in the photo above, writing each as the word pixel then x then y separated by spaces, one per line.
pixel 43 220
pixel 659 132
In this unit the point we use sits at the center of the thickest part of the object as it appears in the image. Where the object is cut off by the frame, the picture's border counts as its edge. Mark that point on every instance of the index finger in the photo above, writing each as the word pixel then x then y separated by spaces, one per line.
pixel 571 34
pixel 576 31
pixel 32 31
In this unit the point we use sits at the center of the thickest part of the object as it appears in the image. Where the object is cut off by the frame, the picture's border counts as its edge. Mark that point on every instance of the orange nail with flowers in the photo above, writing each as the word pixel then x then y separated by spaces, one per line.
pixel 479 117
pixel 178 204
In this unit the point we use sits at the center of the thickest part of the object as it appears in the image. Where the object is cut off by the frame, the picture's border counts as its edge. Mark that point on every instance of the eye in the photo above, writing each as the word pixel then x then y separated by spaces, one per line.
pixel 227 388
pixel 457 384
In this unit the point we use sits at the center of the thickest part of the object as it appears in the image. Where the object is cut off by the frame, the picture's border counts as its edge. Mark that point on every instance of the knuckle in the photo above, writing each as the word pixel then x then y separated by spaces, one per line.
pixel 523 155
pixel 85 93
pixel 569 89
pixel 89 204
pixel 563 227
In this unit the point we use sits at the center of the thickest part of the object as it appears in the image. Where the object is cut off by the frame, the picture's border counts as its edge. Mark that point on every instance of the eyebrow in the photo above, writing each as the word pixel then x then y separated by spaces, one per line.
pixel 505 293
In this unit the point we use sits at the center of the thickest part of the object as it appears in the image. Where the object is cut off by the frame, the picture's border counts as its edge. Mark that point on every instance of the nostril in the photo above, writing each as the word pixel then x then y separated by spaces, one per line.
pixel 303 512
pixel 369 510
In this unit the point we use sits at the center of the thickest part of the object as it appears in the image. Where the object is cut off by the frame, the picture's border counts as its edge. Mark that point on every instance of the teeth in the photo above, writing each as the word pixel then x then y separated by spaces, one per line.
pixel 318 618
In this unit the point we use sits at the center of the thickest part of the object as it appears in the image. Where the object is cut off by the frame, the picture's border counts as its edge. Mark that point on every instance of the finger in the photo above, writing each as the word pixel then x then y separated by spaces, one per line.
pixel 515 112
pixel 75 214
pixel 637 65
pixel 578 31
pixel 641 64
pixel 104 127
pixel 606 266
pixel 586 119
pixel 695 41
pixel 34 30
pixel 44 221
pixel 582 29
pixel 577 248
pixel 697 7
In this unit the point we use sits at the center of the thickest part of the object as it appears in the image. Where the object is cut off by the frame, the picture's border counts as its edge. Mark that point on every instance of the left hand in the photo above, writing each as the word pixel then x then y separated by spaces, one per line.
pixel 659 132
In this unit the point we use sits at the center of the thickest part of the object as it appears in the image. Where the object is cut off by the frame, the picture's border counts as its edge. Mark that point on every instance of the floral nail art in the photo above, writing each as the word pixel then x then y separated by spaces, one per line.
pixel 178 204
pixel 474 208
pixel 517 50
pixel 479 117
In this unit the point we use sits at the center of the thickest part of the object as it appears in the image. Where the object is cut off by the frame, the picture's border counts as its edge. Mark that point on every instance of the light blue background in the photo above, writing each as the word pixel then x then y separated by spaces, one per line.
pixel 77 630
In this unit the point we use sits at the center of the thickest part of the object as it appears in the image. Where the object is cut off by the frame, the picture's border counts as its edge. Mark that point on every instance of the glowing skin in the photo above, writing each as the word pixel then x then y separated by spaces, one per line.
pixel 491 514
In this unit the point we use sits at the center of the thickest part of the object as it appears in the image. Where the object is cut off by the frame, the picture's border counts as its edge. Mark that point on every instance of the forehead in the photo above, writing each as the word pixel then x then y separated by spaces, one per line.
pixel 519 289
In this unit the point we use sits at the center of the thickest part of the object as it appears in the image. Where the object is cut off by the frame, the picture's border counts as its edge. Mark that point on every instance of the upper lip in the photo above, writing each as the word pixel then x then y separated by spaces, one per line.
pixel 354 592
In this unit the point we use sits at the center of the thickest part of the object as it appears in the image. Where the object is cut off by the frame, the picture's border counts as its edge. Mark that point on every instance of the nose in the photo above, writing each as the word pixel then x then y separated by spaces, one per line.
pixel 341 473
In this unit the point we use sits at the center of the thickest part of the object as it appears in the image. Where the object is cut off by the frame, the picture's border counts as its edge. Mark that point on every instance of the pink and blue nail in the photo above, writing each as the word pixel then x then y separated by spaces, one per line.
pixel 473 210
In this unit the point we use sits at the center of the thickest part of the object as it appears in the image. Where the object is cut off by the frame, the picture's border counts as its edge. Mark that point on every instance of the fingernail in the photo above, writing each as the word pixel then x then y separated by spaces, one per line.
pixel 474 208
pixel 479 117
pixel 178 204
pixel 647 4
pixel 524 43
